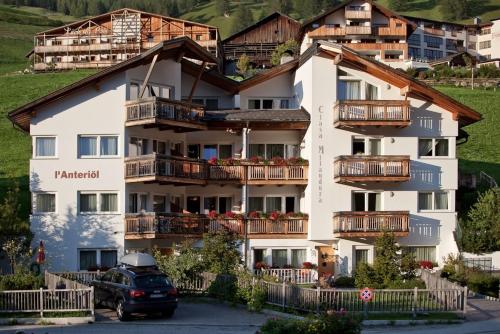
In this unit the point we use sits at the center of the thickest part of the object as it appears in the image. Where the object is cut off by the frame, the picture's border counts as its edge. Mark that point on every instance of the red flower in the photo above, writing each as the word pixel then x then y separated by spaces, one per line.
pixel 307 265
pixel 212 214
pixel 230 214
pixel 275 215
pixel 212 161
pixel 279 161
pixel 253 215
pixel 261 265
pixel 426 264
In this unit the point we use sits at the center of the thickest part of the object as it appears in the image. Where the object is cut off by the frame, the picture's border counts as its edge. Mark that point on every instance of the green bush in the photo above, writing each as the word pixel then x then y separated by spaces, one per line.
pixel 366 276
pixel 345 282
pixel 257 299
pixel 21 281
pixel 327 323
pixel 407 284
pixel 224 287
pixel 483 283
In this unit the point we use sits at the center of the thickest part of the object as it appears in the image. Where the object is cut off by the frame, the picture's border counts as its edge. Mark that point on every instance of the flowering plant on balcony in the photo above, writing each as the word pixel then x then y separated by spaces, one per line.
pixel 213 161
pixel 426 264
pixel 275 215
pixel 297 215
pixel 278 161
pixel 261 265
pixel 308 265
pixel 232 215
pixel 296 161
pixel 213 214
pixel 254 215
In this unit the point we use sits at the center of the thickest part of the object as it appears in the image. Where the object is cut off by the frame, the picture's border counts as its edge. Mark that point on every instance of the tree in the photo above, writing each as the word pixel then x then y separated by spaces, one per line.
pixel 243 65
pixel 220 252
pixel 387 258
pixel 11 224
pixel 283 6
pixel 290 47
pixel 221 7
pixel 481 229
pixel 242 18
pixel 399 4
pixel 183 266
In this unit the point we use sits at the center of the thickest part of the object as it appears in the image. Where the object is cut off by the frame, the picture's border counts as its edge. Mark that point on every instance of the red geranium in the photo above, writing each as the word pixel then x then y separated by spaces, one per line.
pixel 426 264
pixel 307 265
pixel 212 161
pixel 230 214
pixel 275 215
pixel 253 214
pixel 212 214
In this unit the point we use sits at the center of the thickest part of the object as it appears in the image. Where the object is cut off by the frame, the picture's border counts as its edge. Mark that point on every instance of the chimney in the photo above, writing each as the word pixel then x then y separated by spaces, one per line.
pixel 477 20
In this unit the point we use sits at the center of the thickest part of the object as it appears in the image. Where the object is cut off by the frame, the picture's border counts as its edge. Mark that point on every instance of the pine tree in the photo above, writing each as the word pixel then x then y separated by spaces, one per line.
pixel 242 19
pixel 221 7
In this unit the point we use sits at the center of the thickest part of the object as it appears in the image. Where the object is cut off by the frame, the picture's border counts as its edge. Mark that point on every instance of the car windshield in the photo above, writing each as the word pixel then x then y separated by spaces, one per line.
pixel 152 281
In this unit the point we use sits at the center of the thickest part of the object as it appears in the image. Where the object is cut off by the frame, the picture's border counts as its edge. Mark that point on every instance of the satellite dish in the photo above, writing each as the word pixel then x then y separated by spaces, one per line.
pixel 138 260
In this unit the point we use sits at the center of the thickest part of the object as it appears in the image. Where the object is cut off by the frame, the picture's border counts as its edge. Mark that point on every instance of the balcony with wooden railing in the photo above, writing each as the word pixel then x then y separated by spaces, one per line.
pixel 165 114
pixel 171 225
pixel 165 169
pixel 358 30
pixel 357 14
pixel 434 31
pixel 258 174
pixel 372 168
pixel 327 30
pixel 352 113
pixel 363 224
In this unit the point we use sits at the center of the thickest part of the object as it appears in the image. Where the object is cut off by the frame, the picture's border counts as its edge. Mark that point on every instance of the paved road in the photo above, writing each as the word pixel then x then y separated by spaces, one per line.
pixel 190 318
pixel 473 327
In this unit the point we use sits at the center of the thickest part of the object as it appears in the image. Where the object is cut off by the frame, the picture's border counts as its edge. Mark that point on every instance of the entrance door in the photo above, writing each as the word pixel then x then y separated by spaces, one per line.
pixel 326 260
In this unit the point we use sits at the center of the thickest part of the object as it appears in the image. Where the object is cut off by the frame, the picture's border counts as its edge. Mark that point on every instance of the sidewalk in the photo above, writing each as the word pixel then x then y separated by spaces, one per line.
pixel 481 309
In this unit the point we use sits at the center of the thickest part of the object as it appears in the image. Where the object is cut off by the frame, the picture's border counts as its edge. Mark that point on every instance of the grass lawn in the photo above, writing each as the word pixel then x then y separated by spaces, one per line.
pixel 482 151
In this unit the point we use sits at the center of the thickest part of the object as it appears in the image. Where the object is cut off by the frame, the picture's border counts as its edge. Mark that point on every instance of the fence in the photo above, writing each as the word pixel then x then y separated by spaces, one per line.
pixel 44 301
pixel 70 280
pixel 384 301
pixel 297 276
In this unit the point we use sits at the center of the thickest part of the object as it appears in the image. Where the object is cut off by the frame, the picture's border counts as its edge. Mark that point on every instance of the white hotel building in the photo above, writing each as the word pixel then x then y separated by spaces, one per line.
pixel 348 147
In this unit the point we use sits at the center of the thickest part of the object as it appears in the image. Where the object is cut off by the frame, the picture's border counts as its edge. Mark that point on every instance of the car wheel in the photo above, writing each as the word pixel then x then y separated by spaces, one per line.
pixel 120 312
pixel 168 313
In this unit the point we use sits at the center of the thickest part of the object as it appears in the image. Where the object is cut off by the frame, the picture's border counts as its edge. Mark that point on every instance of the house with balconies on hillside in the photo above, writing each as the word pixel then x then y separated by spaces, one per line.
pixel 309 161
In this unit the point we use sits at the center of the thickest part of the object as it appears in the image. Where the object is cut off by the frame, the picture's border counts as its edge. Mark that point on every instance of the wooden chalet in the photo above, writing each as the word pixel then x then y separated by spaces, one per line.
pixel 259 40
pixel 110 38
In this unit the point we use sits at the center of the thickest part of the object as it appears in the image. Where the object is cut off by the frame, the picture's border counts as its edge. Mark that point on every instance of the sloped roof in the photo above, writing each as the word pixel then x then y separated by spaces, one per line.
pixel 451 58
pixel 167 49
pixel 119 11
pixel 271 115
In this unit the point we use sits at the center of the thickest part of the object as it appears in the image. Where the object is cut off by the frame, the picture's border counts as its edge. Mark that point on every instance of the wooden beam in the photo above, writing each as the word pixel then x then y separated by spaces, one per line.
pixel 180 56
pixel 145 83
pixel 195 83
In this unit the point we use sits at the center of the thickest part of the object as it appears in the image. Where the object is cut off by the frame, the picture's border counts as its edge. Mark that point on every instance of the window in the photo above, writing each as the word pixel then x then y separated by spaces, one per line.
pixel 269 103
pixel 414 53
pixel 432 54
pixel 275 150
pixel 151 90
pixel 159 147
pixel 225 204
pixel 256 204
pixel 414 39
pixel 96 202
pixel 253 104
pixel 137 202
pixel 433 42
pixel 361 256
pixel 257 150
pixel 137 146
pixel 279 258
pixel 269 151
pixel 273 204
pixel 484 45
pixel 94 259
pixel 159 203
pixel 349 90
pixel 366 201
pixel 45 147
pixel 366 146
pixel 298 257
pixel 209 152
pixel 210 204
pixel 433 147
pixel 208 103
pixel 437 200
pixel 225 151
pixel 421 253
pixel 44 203
pixel 95 146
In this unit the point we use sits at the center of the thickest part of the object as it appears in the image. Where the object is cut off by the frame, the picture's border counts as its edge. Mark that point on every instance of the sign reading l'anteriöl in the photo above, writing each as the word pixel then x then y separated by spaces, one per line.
pixel 62 174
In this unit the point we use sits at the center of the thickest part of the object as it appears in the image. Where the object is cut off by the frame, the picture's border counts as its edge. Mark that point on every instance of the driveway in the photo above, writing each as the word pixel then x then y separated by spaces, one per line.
pixel 190 318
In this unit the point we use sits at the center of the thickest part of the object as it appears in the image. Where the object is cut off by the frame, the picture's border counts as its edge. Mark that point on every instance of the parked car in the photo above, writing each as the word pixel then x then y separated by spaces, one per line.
pixel 130 289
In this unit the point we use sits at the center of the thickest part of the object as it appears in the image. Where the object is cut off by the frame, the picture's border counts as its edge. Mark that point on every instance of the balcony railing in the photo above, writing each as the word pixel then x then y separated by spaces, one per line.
pixel 163 168
pixel 327 30
pixel 159 225
pixel 357 14
pixel 165 112
pixel 370 223
pixel 372 113
pixel 369 168
pixel 358 30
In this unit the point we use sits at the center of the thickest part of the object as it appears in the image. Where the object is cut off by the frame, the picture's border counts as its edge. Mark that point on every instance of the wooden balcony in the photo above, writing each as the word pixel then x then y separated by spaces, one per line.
pixel 352 113
pixel 165 170
pixel 370 168
pixel 72 48
pixel 172 225
pixel 358 30
pixel 166 114
pixel 327 30
pixel 392 31
pixel 261 228
pixel 277 174
pixel 363 224
pixel 351 14
pixel 434 31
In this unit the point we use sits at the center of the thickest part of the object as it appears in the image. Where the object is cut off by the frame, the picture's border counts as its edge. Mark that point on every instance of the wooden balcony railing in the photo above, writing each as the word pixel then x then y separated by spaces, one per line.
pixel 369 168
pixel 370 223
pixel 392 31
pixel 434 31
pixel 162 225
pixel 358 30
pixel 372 113
pixel 357 14
pixel 163 168
pixel 164 112
pixel 168 169
pixel 327 30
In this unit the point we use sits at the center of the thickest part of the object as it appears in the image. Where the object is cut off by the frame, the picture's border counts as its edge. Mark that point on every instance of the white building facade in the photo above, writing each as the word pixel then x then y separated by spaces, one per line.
pixel 309 161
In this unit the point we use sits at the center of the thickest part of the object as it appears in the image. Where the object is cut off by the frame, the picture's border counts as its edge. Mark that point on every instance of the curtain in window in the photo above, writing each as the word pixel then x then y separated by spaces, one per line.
pixel 279 258
pixel 348 90
pixel 45 202
pixel 275 150
pixel 284 104
pixel 108 258
pixel 425 201
pixel 109 202
pixel 256 204
pixel 132 203
pixel 143 202
pixel 371 92
pixel 375 147
pixel 361 256
pixel 88 146
pixel 441 148
pixel 225 151
pixel 427 253
pixel 159 203
pixel 209 152
pixel 109 145
pixel 256 150
pixel 298 257
pixel 292 151
pixel 441 201
pixel 134 91
pixel 273 204
pixel 88 259
pixel 88 202
pixel 45 147
pixel 425 147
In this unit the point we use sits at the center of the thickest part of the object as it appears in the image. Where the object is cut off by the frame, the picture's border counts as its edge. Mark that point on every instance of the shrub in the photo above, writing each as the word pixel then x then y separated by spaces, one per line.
pixel 224 287
pixel 483 283
pixel 365 276
pixel 326 323
pixel 257 298
pixel 345 282
pixel 407 284
pixel 290 47
pixel 21 281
